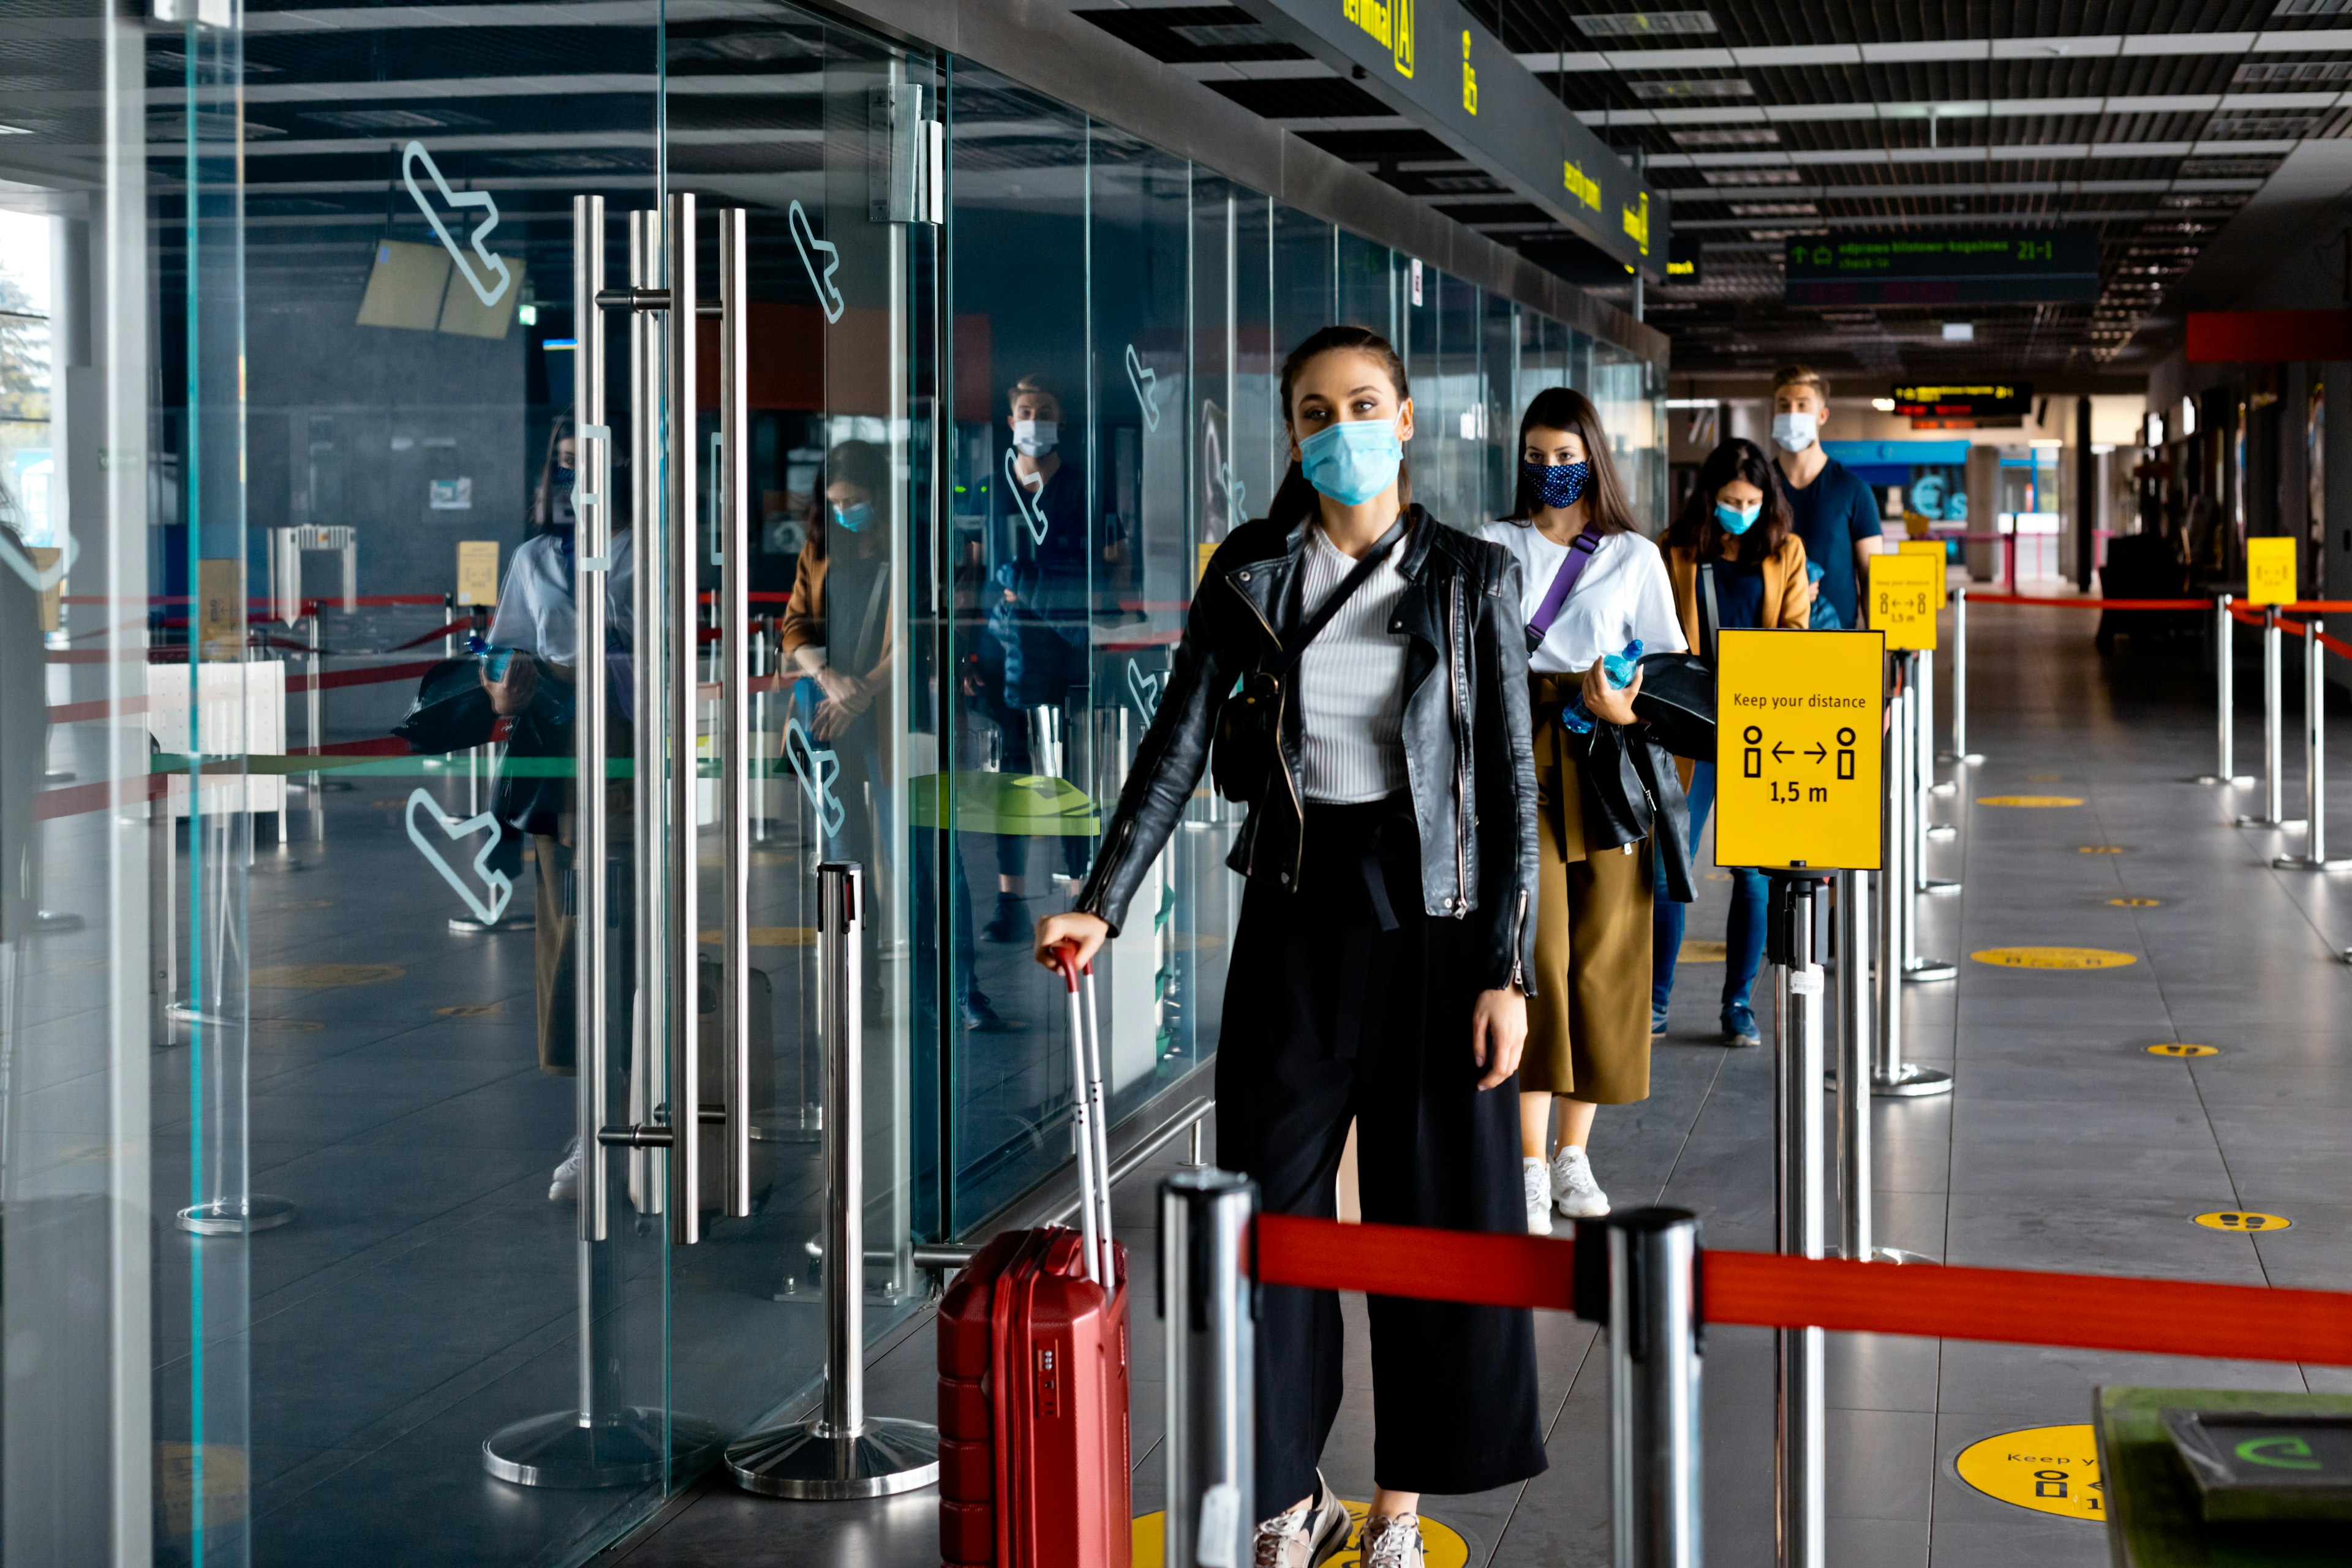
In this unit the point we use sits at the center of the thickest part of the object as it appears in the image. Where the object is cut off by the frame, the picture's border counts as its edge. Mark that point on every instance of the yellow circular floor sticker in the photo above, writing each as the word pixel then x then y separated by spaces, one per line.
pixel 2171 1048
pixel 2053 957
pixel 2136 903
pixel 2029 800
pixel 2099 850
pixel 472 1010
pixel 2237 1219
pixel 320 977
pixel 1445 1549
pixel 2050 1469
pixel 1694 951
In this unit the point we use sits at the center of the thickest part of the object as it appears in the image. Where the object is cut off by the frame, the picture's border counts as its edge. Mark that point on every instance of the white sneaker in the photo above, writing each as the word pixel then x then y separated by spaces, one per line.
pixel 1539 1187
pixel 566 1185
pixel 1573 1188
pixel 1394 1542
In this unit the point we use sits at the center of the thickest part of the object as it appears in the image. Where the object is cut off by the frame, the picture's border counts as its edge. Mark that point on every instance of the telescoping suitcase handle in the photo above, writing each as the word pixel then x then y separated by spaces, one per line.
pixel 1090 1120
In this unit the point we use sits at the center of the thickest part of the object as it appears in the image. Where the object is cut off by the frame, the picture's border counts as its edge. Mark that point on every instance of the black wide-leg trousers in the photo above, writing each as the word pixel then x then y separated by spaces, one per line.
pixel 1344 1001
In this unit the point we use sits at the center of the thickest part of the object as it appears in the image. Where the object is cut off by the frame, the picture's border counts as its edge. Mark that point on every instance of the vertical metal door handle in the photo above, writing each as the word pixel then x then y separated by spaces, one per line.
pixel 593 464
pixel 685 765
pixel 648 1175
pixel 733 483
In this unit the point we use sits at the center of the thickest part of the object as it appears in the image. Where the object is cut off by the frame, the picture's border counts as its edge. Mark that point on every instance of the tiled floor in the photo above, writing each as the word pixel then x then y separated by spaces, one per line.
pixel 2064 1146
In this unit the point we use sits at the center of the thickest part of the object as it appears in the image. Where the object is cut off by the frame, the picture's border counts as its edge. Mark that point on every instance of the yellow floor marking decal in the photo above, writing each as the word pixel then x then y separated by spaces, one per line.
pixel 472 1010
pixel 2050 1469
pixel 1695 951
pixel 2053 957
pixel 1444 1547
pixel 2100 849
pixel 2136 903
pixel 2171 1050
pixel 320 976
pixel 2238 1219
pixel 2029 800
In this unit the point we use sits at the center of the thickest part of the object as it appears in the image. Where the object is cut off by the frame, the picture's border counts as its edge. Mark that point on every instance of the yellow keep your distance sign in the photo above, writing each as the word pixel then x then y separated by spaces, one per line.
pixel 1906 591
pixel 2270 570
pixel 1797 740
pixel 2050 1469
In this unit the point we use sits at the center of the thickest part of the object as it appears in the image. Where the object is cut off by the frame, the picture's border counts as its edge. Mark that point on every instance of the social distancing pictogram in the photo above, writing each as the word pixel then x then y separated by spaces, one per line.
pixel 2053 957
pixel 2050 1469
pixel 1905 591
pixel 1442 1545
pixel 2242 1220
pixel 2182 1049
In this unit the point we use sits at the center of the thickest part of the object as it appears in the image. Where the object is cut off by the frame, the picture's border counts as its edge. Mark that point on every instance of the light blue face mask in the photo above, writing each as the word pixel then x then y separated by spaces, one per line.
pixel 1736 521
pixel 854 517
pixel 1353 460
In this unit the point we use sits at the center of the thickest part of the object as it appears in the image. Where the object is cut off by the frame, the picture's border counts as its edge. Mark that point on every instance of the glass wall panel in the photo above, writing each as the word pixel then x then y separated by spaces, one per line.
pixel 1367 285
pixel 1499 363
pixel 1631 415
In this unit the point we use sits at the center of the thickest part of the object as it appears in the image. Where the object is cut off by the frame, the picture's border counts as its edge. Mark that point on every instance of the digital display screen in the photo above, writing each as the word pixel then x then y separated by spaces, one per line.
pixel 1982 399
pixel 1952 267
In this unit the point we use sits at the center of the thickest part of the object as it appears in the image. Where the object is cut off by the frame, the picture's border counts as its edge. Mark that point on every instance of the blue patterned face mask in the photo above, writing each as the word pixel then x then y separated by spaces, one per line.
pixel 1561 485
pixel 1352 461
pixel 1736 521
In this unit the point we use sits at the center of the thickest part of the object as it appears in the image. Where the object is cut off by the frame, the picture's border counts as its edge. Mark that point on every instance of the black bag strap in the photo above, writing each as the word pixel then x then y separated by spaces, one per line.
pixel 1339 597
pixel 1710 619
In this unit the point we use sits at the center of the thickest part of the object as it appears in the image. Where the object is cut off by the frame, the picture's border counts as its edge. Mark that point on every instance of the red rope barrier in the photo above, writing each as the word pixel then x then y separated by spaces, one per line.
pixel 1977 598
pixel 2003 1306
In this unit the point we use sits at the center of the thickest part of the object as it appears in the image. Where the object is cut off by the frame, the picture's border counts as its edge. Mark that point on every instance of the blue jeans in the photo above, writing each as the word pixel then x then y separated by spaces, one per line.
pixel 1743 936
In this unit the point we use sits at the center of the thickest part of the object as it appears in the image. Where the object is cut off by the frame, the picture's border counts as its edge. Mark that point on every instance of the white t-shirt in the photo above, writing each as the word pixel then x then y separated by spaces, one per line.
pixel 1622 595
pixel 536 612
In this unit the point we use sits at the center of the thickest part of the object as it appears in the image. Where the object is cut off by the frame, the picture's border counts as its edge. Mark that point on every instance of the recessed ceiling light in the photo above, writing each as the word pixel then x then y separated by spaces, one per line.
pixel 1695 87
pixel 1641 23
pixel 1959 331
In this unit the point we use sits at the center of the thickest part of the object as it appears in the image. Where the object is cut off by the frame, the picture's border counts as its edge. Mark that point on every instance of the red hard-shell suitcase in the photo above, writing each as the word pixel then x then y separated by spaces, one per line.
pixel 1034 1373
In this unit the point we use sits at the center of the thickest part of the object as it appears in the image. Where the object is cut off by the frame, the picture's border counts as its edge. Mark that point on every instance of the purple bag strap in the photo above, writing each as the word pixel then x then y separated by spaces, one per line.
pixel 1580 555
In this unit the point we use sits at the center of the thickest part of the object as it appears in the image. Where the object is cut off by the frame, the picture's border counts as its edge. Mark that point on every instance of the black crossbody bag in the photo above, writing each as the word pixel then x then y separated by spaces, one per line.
pixel 1249 729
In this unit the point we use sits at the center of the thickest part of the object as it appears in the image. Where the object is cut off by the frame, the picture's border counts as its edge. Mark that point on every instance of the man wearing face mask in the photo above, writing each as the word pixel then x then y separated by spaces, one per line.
pixel 1037 601
pixel 1836 514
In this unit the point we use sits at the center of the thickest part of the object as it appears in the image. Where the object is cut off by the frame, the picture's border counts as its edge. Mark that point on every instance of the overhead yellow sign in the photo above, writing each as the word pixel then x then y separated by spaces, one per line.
pixel 2050 1469
pixel 2270 570
pixel 1906 591
pixel 1797 755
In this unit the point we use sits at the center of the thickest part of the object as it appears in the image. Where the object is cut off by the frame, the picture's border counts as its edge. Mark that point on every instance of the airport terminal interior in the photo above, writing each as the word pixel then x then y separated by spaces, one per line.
pixel 817 423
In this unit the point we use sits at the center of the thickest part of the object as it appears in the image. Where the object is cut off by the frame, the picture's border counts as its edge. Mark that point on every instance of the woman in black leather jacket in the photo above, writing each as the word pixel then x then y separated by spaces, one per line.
pixel 1384 955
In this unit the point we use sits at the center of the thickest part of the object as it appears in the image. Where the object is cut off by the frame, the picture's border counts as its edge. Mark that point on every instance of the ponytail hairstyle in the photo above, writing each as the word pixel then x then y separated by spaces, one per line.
pixel 1695 528
pixel 1565 408
pixel 1295 500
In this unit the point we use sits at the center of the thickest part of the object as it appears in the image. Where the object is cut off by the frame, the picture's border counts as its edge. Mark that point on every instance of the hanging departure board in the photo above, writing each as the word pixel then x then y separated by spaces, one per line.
pixel 1950 267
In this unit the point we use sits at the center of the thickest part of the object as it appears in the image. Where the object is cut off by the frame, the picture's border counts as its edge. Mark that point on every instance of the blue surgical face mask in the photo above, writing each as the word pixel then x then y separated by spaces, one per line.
pixel 1736 521
pixel 1561 484
pixel 853 517
pixel 1352 461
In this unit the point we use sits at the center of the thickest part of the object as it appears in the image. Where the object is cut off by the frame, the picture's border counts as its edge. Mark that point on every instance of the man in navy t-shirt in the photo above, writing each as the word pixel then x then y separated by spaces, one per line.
pixel 1836 513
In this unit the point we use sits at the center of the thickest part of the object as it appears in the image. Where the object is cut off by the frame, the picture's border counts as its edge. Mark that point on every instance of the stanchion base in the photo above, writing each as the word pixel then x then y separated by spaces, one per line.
pixel 1940 831
pixel 1970 758
pixel 1948 786
pixel 1912 1081
pixel 1882 1255
pixel 2304 863
pixel 2276 824
pixel 633 1447
pixel 226 1216
pixel 462 925
pixel 1928 971
pixel 1936 886
pixel 2235 781
pixel 882 1457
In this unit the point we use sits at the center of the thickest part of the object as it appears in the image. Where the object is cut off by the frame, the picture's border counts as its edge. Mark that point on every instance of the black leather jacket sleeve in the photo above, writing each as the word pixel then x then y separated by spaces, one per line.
pixel 1506 787
pixel 1167 765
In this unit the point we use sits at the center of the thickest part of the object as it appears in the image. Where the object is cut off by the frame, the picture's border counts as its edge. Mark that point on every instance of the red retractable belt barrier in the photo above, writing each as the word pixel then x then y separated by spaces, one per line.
pixel 2287 623
pixel 1977 598
pixel 2005 1306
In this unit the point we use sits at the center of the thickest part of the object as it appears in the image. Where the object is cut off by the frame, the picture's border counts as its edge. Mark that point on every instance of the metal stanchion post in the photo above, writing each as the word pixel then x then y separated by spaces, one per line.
pixel 1208 1303
pixel 2314 760
pixel 2273 727
pixel 1923 778
pixel 1891 1075
pixel 1794 934
pixel 843 1452
pixel 1856 1013
pixel 1904 804
pixel 2225 682
pixel 1649 1306
pixel 1959 752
